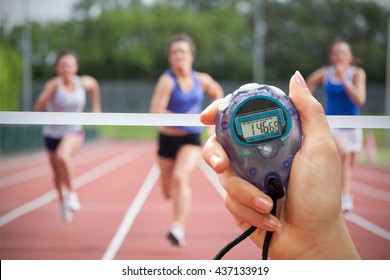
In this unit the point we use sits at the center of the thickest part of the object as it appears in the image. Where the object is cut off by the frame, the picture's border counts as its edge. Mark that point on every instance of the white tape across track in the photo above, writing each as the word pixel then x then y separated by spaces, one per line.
pixel 148 119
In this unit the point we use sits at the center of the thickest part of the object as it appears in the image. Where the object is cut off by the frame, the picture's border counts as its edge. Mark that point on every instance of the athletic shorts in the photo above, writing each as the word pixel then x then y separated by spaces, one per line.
pixel 169 145
pixel 51 143
pixel 352 137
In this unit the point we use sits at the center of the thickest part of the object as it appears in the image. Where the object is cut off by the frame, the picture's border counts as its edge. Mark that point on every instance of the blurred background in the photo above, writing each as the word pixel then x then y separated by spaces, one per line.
pixel 122 43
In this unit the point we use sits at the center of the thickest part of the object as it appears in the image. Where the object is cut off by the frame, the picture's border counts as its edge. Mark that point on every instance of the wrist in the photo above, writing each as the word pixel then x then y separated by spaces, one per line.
pixel 324 241
pixel 333 244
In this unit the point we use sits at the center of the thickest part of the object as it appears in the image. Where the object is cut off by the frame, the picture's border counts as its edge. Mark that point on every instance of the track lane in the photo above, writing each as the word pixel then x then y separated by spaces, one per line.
pixel 40 234
pixel 209 228
pixel 88 175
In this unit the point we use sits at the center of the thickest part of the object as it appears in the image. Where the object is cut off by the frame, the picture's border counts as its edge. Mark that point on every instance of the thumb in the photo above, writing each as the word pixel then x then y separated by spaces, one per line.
pixel 311 112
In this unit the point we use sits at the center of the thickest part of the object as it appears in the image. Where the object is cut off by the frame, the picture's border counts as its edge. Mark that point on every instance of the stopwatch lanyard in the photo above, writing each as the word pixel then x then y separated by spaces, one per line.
pixel 275 192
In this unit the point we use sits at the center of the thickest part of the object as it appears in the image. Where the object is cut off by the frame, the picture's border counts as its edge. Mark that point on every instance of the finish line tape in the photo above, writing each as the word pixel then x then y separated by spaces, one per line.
pixel 148 119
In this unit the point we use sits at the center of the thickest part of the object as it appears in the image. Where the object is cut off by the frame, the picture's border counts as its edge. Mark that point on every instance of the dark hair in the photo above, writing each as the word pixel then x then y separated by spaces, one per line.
pixel 338 41
pixel 66 52
pixel 182 37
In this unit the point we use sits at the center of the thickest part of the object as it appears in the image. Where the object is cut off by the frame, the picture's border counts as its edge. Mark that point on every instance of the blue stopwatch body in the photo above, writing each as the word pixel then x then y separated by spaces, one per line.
pixel 259 128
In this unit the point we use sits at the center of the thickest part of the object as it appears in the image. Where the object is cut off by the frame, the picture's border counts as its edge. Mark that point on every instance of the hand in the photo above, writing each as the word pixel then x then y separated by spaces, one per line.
pixel 309 223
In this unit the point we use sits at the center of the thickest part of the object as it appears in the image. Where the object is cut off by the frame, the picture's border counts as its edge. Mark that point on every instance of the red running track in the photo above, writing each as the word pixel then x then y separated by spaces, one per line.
pixel 124 215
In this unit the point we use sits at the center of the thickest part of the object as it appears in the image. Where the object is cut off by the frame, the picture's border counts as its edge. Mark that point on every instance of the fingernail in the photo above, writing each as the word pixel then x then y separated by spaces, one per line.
pixel 214 161
pixel 263 204
pixel 300 79
pixel 272 223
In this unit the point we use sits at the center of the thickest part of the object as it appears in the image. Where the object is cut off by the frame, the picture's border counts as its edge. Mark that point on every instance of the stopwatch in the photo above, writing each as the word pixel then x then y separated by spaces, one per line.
pixel 259 128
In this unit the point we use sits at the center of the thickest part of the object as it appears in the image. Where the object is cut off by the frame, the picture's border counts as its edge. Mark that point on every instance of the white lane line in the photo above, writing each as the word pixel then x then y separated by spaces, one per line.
pixel 371 191
pixel 24 175
pixel 28 207
pixel 78 182
pixel 374 176
pixel 44 169
pixel 211 175
pixel 367 225
pixel 132 213
pixel 40 157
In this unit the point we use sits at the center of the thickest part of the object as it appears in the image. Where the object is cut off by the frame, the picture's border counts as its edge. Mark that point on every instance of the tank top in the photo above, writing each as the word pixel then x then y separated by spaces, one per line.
pixel 189 102
pixel 337 98
pixel 66 101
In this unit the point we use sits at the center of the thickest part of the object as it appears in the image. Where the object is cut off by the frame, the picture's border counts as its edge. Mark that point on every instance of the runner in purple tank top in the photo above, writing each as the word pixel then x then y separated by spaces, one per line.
pixel 180 90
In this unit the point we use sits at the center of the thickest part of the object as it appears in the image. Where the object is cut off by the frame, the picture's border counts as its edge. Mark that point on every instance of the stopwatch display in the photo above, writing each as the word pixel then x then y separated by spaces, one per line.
pixel 261 125
pixel 259 128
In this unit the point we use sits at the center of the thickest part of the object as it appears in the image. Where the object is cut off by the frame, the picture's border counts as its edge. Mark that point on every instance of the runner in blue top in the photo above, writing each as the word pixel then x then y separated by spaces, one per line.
pixel 66 93
pixel 345 88
pixel 180 90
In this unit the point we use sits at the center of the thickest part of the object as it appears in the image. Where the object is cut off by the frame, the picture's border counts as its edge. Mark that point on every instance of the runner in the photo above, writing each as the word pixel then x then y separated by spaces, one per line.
pixel 66 93
pixel 181 90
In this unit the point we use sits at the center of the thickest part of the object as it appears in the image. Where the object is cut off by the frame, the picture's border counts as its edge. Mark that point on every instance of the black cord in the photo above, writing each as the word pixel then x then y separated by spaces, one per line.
pixel 275 191
pixel 234 242
pixel 268 235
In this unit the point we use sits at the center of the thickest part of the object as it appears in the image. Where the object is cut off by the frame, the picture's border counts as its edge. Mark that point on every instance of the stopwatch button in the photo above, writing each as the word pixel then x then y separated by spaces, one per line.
pixel 225 125
pixel 293 112
pixel 225 102
pixel 287 164
pixel 249 86
pixel 284 99
pixel 267 150
pixel 277 90
pixel 252 171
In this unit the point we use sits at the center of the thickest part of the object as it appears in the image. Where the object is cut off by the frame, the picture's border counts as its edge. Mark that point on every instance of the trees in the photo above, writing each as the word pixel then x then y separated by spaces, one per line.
pixel 10 78
pixel 127 39
pixel 299 37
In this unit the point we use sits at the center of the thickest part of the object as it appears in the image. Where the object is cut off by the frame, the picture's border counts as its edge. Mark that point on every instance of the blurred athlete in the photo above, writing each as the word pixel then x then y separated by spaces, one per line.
pixel 345 88
pixel 180 90
pixel 66 93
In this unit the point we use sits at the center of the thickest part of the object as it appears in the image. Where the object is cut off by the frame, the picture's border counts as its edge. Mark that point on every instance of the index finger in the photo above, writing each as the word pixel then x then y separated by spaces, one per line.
pixel 209 114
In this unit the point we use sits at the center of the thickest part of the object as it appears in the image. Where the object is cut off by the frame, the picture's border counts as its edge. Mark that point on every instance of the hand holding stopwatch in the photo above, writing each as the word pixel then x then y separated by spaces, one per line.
pixel 259 128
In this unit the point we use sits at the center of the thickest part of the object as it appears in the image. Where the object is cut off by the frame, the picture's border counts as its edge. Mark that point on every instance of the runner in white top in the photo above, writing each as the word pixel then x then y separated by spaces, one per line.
pixel 66 93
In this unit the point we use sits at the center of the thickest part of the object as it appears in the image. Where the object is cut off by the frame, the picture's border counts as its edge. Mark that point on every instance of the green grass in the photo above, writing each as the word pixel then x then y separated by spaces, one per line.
pixel 128 132
pixel 382 136
pixel 382 145
pixel 382 158
pixel 134 132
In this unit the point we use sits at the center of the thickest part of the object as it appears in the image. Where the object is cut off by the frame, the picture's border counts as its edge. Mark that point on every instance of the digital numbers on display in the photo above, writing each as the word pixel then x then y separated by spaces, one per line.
pixel 260 125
